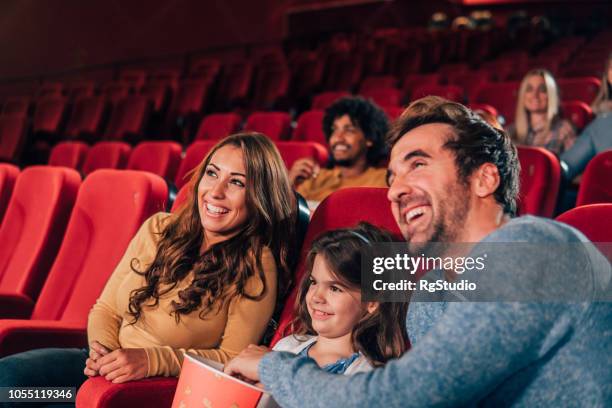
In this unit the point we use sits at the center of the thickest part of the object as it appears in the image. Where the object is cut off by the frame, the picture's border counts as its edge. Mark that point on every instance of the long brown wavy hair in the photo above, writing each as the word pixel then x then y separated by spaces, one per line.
pixel 380 335
pixel 222 271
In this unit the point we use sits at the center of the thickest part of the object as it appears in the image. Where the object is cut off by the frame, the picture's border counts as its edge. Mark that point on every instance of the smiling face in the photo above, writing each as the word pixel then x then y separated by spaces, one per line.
pixel 222 195
pixel 428 200
pixel 535 98
pixel 334 308
pixel 347 142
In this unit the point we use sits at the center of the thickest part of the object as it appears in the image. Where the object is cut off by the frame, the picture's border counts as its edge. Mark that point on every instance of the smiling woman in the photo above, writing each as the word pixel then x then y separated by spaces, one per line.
pixel 181 285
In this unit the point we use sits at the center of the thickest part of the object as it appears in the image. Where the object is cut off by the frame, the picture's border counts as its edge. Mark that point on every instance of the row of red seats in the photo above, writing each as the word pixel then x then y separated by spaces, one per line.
pixel 540 175
pixel 162 158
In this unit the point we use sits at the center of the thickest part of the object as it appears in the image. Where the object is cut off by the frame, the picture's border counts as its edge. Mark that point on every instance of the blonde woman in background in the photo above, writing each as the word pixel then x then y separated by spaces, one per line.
pixel 537 120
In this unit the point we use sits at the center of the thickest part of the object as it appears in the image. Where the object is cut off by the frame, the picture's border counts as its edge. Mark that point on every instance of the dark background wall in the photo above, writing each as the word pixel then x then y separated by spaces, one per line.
pixel 39 37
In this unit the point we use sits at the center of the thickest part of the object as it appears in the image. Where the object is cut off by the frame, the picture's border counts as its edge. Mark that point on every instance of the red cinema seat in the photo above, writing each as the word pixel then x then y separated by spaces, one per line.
pixel 540 177
pixel 205 68
pixel 218 125
pixel 31 234
pixel 450 92
pixel 502 95
pixel 291 151
pixel 135 78
pixel 393 112
pixel 378 81
pixel 189 98
pixel 106 155
pixel 158 93
pixel 579 89
pixel 383 96
pixel 413 81
pixel 310 127
pixel 115 91
pixel 161 158
pixel 8 176
pixel 69 154
pixel 110 207
pixel 596 182
pixel 12 136
pixel 271 86
pixel 50 89
pixel 235 82
pixel 48 114
pixel 483 107
pixel 86 117
pixel 80 89
pixel 343 71
pixel 194 154
pixel 16 106
pixel 275 125
pixel 324 99
pixel 128 119
pixel 343 208
pixel 593 220
pixel 578 112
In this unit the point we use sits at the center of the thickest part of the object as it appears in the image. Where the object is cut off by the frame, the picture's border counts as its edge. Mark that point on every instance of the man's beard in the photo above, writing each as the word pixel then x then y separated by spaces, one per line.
pixel 450 222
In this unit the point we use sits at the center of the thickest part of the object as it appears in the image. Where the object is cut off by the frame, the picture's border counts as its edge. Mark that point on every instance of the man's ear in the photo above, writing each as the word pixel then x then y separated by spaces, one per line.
pixel 369 143
pixel 485 180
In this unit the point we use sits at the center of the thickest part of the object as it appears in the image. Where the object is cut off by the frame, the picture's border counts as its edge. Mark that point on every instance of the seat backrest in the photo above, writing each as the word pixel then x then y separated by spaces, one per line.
pixel 8 176
pixel 291 151
pixel 32 230
pixel 80 89
pixel 115 91
pixel 501 95
pixel 271 84
pixel 16 106
pixel 161 158
pixel 578 112
pixel 12 135
pixel 324 99
pixel 413 81
pixel 111 205
pixel 158 94
pixel 343 208
pixel 596 183
pixel 579 89
pixel 194 154
pixel 189 97
pixel 106 155
pixel 218 125
pixel 69 154
pixel 540 178
pixel 128 118
pixel 235 81
pixel 378 81
pixel 205 68
pixel 383 96
pixel 593 220
pixel 136 78
pixel 275 125
pixel 310 127
pixel 48 89
pixel 450 92
pixel 49 113
pixel 86 116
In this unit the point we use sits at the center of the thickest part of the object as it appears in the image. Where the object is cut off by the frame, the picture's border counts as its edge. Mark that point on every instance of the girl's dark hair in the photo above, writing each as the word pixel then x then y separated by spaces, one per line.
pixel 222 271
pixel 379 336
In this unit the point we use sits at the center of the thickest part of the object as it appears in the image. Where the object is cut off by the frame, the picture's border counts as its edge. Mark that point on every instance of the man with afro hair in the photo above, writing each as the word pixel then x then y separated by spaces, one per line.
pixel 355 130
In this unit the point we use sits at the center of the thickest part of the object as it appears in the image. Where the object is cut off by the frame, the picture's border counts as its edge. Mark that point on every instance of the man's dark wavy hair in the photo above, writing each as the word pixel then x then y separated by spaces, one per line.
pixel 474 143
pixel 367 116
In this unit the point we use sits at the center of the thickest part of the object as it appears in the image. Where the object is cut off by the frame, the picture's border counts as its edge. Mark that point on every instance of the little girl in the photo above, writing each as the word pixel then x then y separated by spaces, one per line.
pixel 342 334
